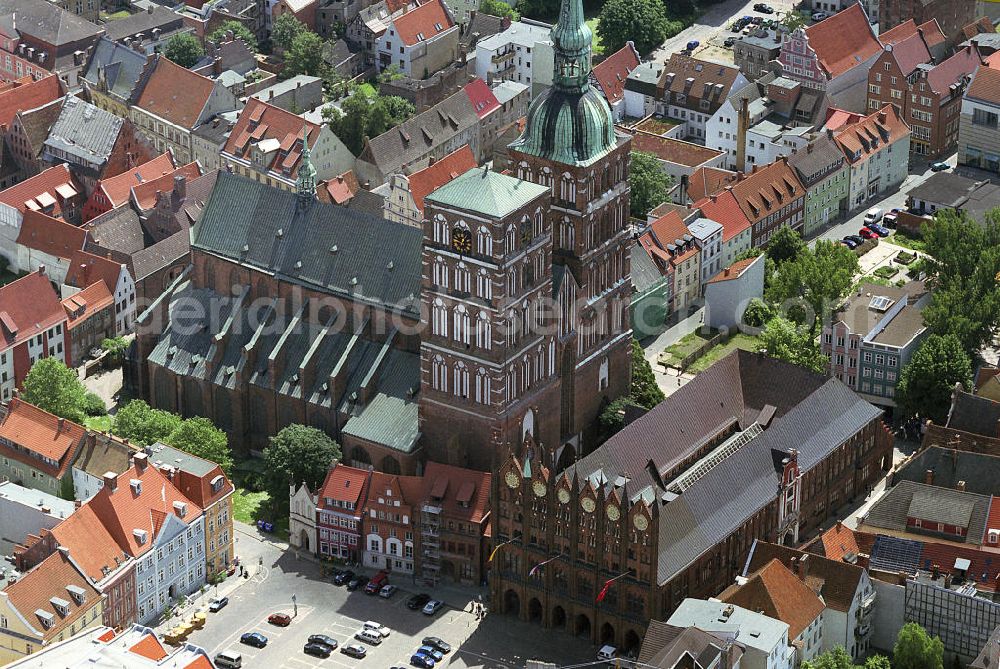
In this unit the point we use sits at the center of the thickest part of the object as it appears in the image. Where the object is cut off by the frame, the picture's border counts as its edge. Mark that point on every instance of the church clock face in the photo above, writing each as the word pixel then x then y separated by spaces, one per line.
pixel 461 240
pixel 539 488
pixel 640 522
pixel 588 504
pixel 512 479
pixel 563 495
pixel 613 513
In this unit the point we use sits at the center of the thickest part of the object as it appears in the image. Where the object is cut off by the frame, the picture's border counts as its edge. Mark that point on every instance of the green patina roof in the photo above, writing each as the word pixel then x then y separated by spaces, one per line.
pixel 486 192
pixel 570 123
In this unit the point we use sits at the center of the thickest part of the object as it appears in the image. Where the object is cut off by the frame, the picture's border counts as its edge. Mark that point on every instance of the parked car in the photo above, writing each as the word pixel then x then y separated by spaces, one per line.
pixel 416 602
pixel 218 604
pixel 432 607
pixel 819 16
pixel 730 41
pixel 856 239
pixel 433 652
pixel 357 582
pixel 866 233
pixel 879 230
pixel 376 627
pixel 387 591
pixel 317 649
pixel 371 637
pixel 889 220
pixel 763 9
pixel 693 44
pixel 280 619
pixel 872 215
pixel 378 580
pixel 422 661
pixel 437 642
pixel 849 243
pixel 343 577
pixel 939 166
pixel 354 650
pixel 255 639
pixel 323 639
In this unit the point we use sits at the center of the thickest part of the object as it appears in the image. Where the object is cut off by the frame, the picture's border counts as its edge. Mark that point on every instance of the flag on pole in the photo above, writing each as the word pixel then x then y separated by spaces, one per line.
pixel 604 591
pixel 537 568
pixel 494 551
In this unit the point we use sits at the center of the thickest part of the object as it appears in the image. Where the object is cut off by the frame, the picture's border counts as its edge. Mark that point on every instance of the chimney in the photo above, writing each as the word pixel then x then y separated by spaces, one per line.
pixel 929 477
pixel 110 481
pixel 41 270
pixel 829 133
pixel 61 426
pixel 725 272
pixel 881 117
pixel 802 567
pixel 180 186
pixel 960 486
pixel 809 147
pixel 742 126
pixel 149 9
pixel 140 460
pixel 431 161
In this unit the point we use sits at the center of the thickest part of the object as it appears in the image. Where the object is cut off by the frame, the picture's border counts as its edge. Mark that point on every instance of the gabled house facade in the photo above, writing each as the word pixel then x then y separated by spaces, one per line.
pixel 339 512
pixel 419 42
pixel 877 148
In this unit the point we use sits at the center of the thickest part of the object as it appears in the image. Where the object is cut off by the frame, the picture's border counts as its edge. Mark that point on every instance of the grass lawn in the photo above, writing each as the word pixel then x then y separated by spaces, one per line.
pixel 367 88
pixel 114 17
pixel 714 354
pixel 595 44
pixel 99 423
pixel 249 507
pixel 900 238
pixel 689 343
pixel 886 271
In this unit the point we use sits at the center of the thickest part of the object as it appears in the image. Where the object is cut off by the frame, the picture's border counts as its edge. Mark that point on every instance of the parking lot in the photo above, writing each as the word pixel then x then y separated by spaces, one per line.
pixel 496 642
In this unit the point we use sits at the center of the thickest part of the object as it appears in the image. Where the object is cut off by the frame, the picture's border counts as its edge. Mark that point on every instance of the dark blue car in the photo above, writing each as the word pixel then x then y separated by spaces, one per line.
pixel 422 661
pixel 255 639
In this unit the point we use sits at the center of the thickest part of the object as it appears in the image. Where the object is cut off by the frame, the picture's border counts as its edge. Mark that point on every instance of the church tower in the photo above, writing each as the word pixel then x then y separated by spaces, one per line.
pixel 570 146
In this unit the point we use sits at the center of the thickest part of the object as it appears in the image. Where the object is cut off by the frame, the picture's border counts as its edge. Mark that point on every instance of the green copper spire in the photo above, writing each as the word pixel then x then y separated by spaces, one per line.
pixel 571 122
pixel 306 182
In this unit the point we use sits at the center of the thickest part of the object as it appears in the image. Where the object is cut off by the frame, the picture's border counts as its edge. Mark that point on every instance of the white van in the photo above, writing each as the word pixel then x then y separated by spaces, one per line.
pixel 229 659
pixel 376 627
pixel 369 636
pixel 872 215
pixel 607 653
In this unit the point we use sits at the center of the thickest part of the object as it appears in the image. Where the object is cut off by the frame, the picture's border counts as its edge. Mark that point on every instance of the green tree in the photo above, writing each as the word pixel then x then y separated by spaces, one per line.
pixel 792 20
pixel 612 418
pixel 784 340
pixel 286 28
pixel 757 313
pixel 52 386
pixel 926 382
pixel 295 455
pixel 831 659
pixel 200 437
pixel 366 114
pixel 809 286
pixel 538 9
pixel 93 405
pixel 184 49
pixel 305 56
pixel 239 30
pixel 645 391
pixel 650 184
pixel 784 245
pixel 389 73
pixel 643 22
pixel 499 8
pixel 877 662
pixel 116 348
pixel 915 649
pixel 144 425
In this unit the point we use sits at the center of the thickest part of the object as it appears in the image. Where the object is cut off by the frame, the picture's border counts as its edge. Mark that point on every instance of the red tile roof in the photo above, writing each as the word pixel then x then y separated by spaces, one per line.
pixel 984 568
pixel 50 579
pixel 144 194
pixel 41 433
pixel 200 662
pixel 910 52
pixel 872 134
pixel 45 189
pixel 28 307
pixel 341 188
pixel 932 32
pixel 482 98
pixel 838 118
pixel 611 73
pixel 199 488
pixel 725 210
pixel 462 493
pixel 734 271
pixel 122 511
pixel 150 648
pixel 90 544
pixel 673 150
pixel 993 518
pixel 344 484
pixel 423 23
pixel 175 93
pixel 50 235
pixel 843 41
pixel 980 25
pixel 767 190
pixel 985 84
pixel 88 302
pixel 780 594
pixel 707 181
pixel 953 70
pixel 432 177
pixel 898 33
pixel 85 268
pixel 26 93
pixel 116 189
pixel 260 121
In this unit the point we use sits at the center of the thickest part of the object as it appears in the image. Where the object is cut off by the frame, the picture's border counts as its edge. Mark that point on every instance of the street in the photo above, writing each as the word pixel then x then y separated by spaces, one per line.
pixel 497 642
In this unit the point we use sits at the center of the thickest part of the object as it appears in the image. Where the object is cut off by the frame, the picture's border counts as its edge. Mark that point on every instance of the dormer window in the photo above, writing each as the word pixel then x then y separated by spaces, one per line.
pixel 78 594
pixel 46 618
pixel 136 486
pixel 217 483
pixel 140 536
pixel 60 605
pixel 181 509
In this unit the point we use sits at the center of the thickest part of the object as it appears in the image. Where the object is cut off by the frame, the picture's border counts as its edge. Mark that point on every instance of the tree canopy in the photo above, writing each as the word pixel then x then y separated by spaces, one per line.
pixel 785 340
pixel 926 382
pixel 915 649
pixel 811 284
pixel 184 49
pixel 286 28
pixel 366 114
pixel 838 658
pixel 645 391
pixel 298 454
pixel 643 22
pixel 199 437
pixel 649 183
pixel 305 56
pixel 785 244
pixel 499 8
pixel 52 386
pixel 143 425
pixel 239 30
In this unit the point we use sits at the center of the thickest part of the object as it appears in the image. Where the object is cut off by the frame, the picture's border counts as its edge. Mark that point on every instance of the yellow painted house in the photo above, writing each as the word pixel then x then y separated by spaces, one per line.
pixel 49 604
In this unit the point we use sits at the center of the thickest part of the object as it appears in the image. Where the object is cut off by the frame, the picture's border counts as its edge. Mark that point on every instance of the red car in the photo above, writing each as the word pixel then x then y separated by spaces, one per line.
pixel 280 619
pixel 867 234
pixel 377 582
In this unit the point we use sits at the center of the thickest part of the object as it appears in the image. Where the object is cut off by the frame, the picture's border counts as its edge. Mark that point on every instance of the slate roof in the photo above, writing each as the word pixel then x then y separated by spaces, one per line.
pixel 122 67
pixel 117 230
pixel 37 122
pixel 486 192
pixel 945 505
pixel 979 471
pixel 175 94
pixel 143 22
pixel 974 414
pixel 664 646
pixel 811 165
pixel 333 249
pixel 777 592
pixel 843 41
pixel 153 258
pixel 48 22
pixel 832 579
pixel 389 418
pixel 612 72
pixel 84 131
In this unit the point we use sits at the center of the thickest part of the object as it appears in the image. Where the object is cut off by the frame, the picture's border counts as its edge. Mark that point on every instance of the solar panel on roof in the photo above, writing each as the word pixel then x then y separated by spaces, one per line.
pixel 880 303
pixel 895 554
